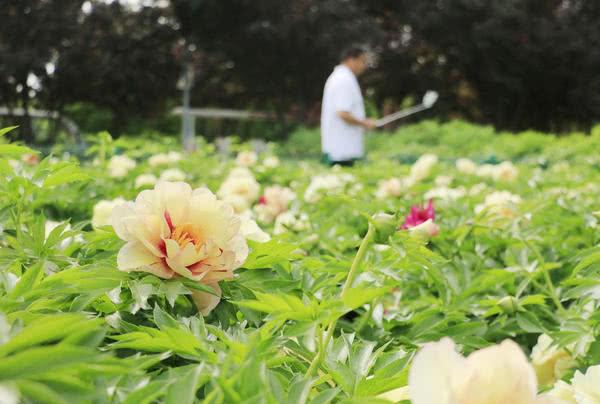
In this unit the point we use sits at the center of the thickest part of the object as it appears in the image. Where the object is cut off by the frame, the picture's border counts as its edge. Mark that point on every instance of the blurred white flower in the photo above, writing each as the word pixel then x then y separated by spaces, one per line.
pixel 103 211
pixel 172 174
pixel 271 162
pixel 501 203
pixel 144 180
pixel 586 387
pixel 240 189
pixel 9 393
pixel 164 158
pixel 499 374
pixel 250 229
pixel 425 230
pixel 275 200
pixel 445 193
pixel 443 180
pixel 549 361
pixel 290 221
pixel 422 167
pixel 466 166
pixel 119 166
pixel 326 184
pixel 505 171
pixel 485 170
pixel 392 187
pixel 246 158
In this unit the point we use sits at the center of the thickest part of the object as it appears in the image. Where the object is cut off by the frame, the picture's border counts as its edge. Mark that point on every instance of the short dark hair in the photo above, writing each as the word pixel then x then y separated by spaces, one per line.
pixel 352 52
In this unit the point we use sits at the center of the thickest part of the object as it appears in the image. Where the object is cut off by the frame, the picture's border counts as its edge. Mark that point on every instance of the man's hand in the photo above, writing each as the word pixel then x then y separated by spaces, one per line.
pixel 349 118
pixel 369 123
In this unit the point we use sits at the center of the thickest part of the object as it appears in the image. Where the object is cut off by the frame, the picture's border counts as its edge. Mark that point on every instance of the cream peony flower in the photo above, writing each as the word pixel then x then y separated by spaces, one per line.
pixel 425 230
pixel 274 202
pixel 445 193
pixel 499 374
pixel 392 187
pixel 103 211
pixel 501 203
pixel 246 158
pixel 144 180
pixel 159 160
pixel 119 166
pixel 250 229
pixel 271 162
pixel 422 167
pixel 240 189
pixel 549 361
pixel 562 391
pixel 466 166
pixel 586 387
pixel 164 158
pixel 505 171
pixel 173 230
pixel 290 221
pixel 326 184
pixel 172 174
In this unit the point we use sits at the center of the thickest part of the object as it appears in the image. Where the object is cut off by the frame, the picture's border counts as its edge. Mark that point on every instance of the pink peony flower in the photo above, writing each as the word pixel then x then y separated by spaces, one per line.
pixel 419 215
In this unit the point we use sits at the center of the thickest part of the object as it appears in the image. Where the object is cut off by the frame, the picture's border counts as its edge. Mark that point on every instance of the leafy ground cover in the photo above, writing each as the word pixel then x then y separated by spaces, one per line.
pixel 282 280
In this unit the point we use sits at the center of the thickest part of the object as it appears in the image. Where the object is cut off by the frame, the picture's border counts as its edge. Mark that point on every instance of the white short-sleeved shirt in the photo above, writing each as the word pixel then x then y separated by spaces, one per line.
pixel 340 140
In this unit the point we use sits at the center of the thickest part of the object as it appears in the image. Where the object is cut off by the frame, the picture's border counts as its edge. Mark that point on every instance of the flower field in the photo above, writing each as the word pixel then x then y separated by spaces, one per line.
pixel 455 266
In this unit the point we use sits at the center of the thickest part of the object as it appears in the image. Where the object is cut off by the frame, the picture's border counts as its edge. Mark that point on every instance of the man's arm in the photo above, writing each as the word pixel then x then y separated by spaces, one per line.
pixel 352 120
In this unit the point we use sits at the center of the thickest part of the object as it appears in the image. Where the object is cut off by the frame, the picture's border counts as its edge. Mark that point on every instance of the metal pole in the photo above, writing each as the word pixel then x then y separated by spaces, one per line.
pixel 187 124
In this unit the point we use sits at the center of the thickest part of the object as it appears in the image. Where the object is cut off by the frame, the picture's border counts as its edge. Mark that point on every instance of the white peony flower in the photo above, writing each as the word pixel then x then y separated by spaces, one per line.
pixel 466 166
pixel 274 201
pixel 103 211
pixel 250 229
pixel 9 393
pixel 159 159
pixel 392 187
pixel 172 174
pixel 549 361
pixel 240 188
pixel 499 374
pixel 173 230
pixel 445 193
pixel 505 171
pixel 144 180
pixel 119 166
pixel 425 230
pixel 422 167
pixel 246 158
pixel 586 387
pixel 326 184
pixel 290 221
pixel 501 203
pixel 271 162
pixel 164 158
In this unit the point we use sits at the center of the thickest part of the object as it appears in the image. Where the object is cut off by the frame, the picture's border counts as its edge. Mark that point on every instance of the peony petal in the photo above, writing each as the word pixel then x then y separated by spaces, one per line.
pixel 206 302
pixel 435 373
pixel 134 255
pixel 501 374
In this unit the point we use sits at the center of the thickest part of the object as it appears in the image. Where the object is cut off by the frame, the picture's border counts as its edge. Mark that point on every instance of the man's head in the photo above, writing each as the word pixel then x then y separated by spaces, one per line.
pixel 355 58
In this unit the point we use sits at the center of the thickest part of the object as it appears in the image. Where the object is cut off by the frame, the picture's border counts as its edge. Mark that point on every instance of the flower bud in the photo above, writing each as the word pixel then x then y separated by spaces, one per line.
pixel 509 304
pixel 385 225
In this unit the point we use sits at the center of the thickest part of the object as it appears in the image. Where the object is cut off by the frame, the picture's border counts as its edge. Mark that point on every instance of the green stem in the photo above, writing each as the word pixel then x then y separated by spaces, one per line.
pixel 358 258
pixel 549 284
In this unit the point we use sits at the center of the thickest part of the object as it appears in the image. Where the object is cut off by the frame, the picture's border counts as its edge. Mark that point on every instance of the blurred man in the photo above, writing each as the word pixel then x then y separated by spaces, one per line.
pixel 343 111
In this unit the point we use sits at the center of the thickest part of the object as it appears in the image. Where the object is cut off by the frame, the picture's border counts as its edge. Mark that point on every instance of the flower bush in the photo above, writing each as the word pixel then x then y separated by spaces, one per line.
pixel 455 265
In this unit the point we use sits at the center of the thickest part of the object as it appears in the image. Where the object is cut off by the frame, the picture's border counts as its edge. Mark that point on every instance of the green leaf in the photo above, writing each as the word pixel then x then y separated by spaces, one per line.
pixel 4 131
pixel 183 390
pixel 65 175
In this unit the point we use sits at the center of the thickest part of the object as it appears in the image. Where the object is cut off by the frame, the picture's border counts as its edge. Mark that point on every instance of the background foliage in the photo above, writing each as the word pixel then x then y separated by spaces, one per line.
pixel 518 64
